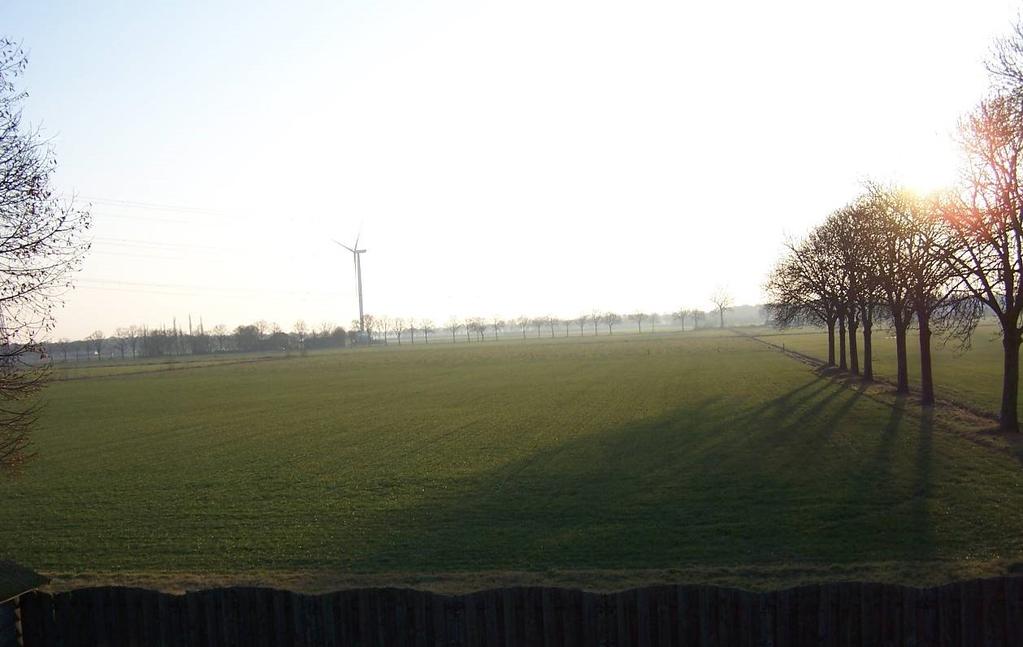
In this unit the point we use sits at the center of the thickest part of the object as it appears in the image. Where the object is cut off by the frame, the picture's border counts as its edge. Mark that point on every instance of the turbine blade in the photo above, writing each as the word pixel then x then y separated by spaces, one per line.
pixel 345 246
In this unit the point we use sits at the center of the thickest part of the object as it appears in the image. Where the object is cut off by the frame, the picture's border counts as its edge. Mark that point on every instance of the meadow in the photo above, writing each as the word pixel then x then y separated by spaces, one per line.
pixel 700 457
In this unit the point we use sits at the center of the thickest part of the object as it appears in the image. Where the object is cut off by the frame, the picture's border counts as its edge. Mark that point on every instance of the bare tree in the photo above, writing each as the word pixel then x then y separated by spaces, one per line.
pixel 219 333
pixel 986 242
pixel 523 323
pixel 638 317
pixel 398 327
pixel 722 301
pixel 96 343
pixel 497 324
pixel 41 246
pixel 552 323
pixel 133 334
pixel 611 320
pixel 371 324
pixel 680 316
pixel 453 326
pixel 121 341
pixel 427 326
pixel 581 321
pixel 655 318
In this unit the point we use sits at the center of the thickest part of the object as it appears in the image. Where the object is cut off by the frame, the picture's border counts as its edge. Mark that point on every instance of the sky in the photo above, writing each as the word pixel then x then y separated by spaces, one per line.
pixel 499 159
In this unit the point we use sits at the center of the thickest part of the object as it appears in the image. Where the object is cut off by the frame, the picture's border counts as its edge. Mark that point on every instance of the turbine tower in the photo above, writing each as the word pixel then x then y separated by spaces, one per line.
pixel 357 258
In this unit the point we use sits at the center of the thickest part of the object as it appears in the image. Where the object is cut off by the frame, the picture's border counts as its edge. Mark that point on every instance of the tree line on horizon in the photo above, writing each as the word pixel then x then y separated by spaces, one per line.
pixel 935 263
pixel 134 341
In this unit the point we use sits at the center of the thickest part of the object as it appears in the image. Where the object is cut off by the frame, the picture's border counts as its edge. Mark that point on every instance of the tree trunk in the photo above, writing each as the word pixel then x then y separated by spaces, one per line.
pixel 831 342
pixel 923 318
pixel 721 314
pixel 841 343
pixel 902 382
pixel 854 353
pixel 1008 418
pixel 868 344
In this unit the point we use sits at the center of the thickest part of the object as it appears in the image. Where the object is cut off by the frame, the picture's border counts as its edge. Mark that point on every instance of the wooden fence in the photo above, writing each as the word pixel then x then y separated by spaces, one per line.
pixel 982 612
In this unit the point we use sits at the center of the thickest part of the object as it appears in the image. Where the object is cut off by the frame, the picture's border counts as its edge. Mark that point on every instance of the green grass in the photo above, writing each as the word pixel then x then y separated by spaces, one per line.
pixel 683 452
pixel 972 376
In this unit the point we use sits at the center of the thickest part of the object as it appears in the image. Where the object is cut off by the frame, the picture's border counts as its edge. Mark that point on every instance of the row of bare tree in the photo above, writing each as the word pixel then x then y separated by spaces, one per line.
pixel 481 328
pixel 934 262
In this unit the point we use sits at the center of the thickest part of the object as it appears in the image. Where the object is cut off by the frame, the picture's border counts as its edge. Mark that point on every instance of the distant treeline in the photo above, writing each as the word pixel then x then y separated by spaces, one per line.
pixel 141 341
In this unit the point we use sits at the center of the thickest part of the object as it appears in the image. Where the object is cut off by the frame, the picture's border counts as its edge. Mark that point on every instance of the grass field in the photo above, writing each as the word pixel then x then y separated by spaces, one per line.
pixel 972 376
pixel 698 457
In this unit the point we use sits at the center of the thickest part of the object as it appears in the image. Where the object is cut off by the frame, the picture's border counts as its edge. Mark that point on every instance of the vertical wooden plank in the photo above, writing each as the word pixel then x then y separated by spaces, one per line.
pixel 682 624
pixel 438 619
pixel 787 627
pixel 491 619
pixel 509 617
pixel 471 620
pixel 946 611
pixel 910 599
pixel 749 621
pixel 278 617
pixel 532 616
pixel 195 617
pixel 344 617
pixel 708 617
pixel 149 615
pixel 642 601
pixel 571 615
pixel 844 615
pixel 8 625
pixel 607 619
pixel 622 618
pixel 767 608
pixel 32 630
pixel 328 634
pixel 179 621
pixel 663 605
pixel 992 594
pixel 725 613
pixel 807 605
pixel 548 619
pixel 1013 609
pixel 968 616
pixel 400 608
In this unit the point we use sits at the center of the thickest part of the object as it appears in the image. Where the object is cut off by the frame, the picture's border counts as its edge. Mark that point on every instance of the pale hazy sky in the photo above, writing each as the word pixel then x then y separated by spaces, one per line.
pixel 502 159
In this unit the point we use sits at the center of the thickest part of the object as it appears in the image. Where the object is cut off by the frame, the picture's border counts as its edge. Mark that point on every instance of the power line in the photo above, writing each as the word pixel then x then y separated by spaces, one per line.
pixel 135 204
pixel 142 286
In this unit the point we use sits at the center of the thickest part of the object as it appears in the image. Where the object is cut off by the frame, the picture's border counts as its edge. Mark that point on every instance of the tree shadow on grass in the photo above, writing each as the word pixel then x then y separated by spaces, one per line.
pixel 788 480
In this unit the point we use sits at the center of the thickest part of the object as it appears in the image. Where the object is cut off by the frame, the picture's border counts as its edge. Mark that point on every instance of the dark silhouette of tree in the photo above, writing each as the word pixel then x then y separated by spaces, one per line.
pixel 96 340
pixel 680 316
pixel 523 323
pixel 638 317
pixel 722 301
pixel 40 247
pixel 985 243
pixel 655 318
pixel 611 320
pixel 427 326
pixel 453 326
pixel 121 341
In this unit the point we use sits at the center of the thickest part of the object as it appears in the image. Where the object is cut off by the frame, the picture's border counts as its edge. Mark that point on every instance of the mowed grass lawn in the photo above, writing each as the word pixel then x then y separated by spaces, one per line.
pixel 680 451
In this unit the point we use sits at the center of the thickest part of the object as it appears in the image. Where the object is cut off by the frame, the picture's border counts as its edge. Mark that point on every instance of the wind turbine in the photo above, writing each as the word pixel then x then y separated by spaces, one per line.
pixel 356 256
